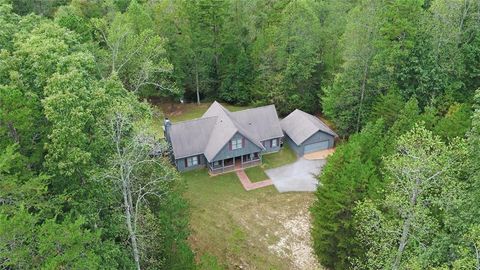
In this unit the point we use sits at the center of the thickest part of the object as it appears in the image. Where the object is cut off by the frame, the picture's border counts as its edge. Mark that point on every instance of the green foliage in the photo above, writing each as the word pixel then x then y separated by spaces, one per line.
pixel 134 51
pixel 236 65
pixel 455 123
pixel 405 228
pixel 349 98
pixel 56 212
pixel 388 107
pixel 46 8
pixel 405 62
pixel 351 174
pixel 287 56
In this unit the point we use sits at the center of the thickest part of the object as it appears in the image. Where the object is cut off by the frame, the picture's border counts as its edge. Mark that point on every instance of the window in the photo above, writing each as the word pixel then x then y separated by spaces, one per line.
pixel 216 163
pixel 192 161
pixel 274 143
pixel 236 144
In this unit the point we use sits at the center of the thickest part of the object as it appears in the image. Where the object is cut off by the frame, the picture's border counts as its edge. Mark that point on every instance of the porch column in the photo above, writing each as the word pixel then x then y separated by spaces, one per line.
pixel 223 165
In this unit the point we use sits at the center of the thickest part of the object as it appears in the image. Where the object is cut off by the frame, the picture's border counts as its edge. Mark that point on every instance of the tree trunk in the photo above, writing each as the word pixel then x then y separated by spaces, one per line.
pixel 362 95
pixel 406 226
pixel 477 254
pixel 128 215
pixel 196 82
pixel 13 132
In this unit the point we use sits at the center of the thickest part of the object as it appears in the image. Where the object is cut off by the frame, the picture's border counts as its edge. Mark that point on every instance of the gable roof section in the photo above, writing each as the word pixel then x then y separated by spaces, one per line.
pixel 261 122
pixel 300 126
pixel 190 137
pixel 210 133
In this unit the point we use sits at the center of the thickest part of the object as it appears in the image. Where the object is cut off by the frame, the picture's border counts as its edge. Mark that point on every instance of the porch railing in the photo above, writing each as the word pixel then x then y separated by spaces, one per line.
pixel 251 163
pixel 229 168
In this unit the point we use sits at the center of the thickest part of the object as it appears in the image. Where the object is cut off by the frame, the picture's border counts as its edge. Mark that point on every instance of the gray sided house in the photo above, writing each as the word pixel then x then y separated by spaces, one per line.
pixel 222 140
pixel 306 133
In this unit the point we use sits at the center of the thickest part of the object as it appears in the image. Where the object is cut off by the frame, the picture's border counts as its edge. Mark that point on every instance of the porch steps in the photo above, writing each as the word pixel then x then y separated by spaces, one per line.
pixel 248 185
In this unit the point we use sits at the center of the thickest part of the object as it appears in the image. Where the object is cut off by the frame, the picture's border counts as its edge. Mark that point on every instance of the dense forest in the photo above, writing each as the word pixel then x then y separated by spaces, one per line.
pixel 398 79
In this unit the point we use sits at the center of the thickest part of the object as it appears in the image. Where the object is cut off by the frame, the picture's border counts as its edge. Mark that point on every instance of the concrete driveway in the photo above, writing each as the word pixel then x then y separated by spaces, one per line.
pixel 297 176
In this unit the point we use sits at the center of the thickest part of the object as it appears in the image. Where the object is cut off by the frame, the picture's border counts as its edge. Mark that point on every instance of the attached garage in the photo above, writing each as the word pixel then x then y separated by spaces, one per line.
pixel 314 147
pixel 306 133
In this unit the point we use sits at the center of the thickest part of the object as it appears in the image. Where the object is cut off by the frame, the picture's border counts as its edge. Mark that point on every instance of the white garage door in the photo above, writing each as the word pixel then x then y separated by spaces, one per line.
pixel 315 147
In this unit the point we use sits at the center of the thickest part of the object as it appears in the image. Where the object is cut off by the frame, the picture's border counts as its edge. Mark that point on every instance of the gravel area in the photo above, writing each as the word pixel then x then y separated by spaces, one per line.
pixel 298 176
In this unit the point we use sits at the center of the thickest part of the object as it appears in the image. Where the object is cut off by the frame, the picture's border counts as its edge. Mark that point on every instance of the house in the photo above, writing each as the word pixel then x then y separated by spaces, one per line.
pixel 306 133
pixel 223 141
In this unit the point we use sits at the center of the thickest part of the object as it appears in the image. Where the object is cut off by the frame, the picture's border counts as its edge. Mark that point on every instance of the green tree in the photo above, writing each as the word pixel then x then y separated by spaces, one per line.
pixel 400 231
pixel 350 175
pixel 134 51
pixel 287 55
pixel 236 65
pixel 455 123
pixel 348 100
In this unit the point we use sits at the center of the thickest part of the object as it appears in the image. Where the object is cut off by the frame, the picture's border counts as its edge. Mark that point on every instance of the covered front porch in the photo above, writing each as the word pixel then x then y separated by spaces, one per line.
pixel 234 163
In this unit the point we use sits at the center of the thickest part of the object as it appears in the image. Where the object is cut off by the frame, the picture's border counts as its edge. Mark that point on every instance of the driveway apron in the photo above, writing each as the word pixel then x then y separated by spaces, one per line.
pixel 297 176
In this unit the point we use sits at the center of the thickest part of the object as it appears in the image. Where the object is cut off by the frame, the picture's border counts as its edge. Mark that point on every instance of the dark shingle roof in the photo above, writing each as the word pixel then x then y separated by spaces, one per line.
pixel 262 122
pixel 190 137
pixel 209 134
pixel 299 126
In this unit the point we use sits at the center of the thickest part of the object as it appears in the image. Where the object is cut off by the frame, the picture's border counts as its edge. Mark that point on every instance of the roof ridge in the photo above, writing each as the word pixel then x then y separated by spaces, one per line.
pixel 255 108
pixel 243 130
pixel 193 120
pixel 313 118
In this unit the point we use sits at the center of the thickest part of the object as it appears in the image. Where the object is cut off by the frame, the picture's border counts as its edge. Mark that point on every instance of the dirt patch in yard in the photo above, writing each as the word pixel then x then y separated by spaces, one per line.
pixel 258 229
pixel 319 154
pixel 281 228
pixel 295 243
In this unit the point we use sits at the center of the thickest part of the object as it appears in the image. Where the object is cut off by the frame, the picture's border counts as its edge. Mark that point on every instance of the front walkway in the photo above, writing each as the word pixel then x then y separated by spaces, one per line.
pixel 248 185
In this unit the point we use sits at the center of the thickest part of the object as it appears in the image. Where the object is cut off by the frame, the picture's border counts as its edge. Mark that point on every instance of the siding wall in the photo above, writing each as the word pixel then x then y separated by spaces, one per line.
pixel 180 163
pixel 317 137
pixel 248 148
pixel 268 145
pixel 297 149
pixel 225 153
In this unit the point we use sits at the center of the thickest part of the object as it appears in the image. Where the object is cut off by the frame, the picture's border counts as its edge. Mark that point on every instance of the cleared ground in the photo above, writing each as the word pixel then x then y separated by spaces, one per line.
pixel 258 229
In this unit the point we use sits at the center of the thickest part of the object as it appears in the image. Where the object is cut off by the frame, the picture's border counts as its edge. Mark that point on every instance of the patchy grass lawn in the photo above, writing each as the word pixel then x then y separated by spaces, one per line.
pixel 283 157
pixel 258 229
pixel 256 174
pixel 157 121
pixel 178 112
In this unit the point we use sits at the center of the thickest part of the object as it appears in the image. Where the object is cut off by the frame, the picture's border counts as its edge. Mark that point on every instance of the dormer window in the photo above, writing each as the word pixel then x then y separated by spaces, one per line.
pixel 237 144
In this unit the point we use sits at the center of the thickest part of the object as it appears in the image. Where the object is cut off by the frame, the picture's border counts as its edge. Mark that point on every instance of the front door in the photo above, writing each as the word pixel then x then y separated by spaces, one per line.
pixel 238 162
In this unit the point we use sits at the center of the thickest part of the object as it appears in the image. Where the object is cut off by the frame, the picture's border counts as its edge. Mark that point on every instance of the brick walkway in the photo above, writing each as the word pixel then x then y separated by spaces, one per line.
pixel 248 185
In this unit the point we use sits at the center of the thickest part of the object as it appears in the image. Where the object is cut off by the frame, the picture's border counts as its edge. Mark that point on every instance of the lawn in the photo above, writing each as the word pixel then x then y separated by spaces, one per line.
pixel 177 112
pixel 258 229
pixel 256 174
pixel 283 157
pixel 157 121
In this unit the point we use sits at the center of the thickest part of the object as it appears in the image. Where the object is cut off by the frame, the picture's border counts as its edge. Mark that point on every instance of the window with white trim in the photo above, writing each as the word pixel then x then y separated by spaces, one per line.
pixel 237 144
pixel 192 161
pixel 274 143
